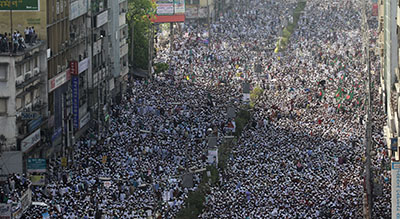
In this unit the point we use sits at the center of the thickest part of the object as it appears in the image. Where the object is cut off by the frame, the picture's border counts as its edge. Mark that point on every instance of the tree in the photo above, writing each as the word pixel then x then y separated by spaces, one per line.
pixel 139 17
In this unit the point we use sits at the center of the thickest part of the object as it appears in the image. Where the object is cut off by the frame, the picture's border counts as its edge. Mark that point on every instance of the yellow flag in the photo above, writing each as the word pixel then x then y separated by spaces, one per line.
pixel 187 77
pixel 276 50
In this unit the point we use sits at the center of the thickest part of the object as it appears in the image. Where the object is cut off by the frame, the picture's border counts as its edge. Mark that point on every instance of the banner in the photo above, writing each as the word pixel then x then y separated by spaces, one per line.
pixel 19 5
pixel 75 100
pixel 38 180
pixel 5 211
pixel 374 9
pixel 36 165
pixel 395 190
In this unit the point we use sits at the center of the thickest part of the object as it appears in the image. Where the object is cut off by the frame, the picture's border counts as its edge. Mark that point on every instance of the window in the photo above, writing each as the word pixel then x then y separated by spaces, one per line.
pixel 18 103
pixel 19 70
pixel 28 67
pixel 36 62
pixel 3 71
pixel 28 99
pixel 3 105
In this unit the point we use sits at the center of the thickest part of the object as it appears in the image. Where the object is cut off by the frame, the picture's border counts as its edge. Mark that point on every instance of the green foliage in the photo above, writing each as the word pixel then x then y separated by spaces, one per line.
pixel 289 29
pixel 139 12
pixel 257 91
pixel 160 67
pixel 195 200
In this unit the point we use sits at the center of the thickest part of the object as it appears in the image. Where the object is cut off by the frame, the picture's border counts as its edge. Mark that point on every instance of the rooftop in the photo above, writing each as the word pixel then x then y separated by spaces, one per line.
pixel 19 46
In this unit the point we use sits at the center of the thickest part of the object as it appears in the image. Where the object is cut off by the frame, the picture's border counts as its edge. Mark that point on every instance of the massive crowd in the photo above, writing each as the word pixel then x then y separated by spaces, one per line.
pixel 301 156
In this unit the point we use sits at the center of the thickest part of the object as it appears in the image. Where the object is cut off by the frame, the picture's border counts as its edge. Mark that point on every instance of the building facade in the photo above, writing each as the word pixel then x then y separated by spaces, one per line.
pixel 59 86
pixel 23 102
pixel 389 73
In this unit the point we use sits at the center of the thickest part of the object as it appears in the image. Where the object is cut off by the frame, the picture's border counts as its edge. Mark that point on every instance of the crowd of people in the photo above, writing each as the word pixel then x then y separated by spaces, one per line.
pixel 301 156
pixel 16 42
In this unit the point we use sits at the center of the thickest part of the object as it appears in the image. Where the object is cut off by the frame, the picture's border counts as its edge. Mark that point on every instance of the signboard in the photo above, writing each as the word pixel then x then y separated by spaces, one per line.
pixel 395 190
pixel 29 115
pixel 58 80
pixel 5 211
pixel 394 144
pixel 38 180
pixel 36 165
pixel 170 11
pixel 77 8
pixel 73 67
pixel 34 124
pixel 31 140
pixel 84 120
pixel 75 101
pixel 374 9
pixel 83 65
pixel 179 7
pixel 165 7
pixel 101 19
pixel 19 5
pixel 64 161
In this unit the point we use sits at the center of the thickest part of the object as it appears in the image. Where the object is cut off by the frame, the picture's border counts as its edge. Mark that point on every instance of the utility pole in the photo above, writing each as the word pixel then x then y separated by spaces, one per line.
pixel 368 133
pixel 171 42
pixel 11 29
pixel 208 24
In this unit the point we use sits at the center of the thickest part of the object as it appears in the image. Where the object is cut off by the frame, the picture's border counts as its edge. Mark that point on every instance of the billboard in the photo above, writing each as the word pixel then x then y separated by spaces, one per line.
pixel 374 9
pixel 395 172
pixel 19 5
pixel 165 7
pixel 170 11
pixel 75 101
pixel 36 165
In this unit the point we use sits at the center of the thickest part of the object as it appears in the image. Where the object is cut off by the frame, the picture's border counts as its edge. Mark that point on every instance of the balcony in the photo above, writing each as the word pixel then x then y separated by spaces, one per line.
pixel 29 78
pixel 23 48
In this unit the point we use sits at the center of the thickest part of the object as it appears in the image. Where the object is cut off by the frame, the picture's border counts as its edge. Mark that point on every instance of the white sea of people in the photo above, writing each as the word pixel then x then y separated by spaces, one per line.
pixel 301 156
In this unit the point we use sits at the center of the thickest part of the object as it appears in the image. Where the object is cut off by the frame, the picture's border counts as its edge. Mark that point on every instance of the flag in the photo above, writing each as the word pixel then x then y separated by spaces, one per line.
pixel 339 104
pixel 321 94
pixel 187 78
pixel 338 93
pixel 350 95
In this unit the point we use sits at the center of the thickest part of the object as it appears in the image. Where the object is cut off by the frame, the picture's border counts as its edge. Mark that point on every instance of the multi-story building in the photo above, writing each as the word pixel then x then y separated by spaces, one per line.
pixel 50 91
pixel 389 74
pixel 99 81
pixel 23 85
pixel 23 103
pixel 119 47
pixel 80 64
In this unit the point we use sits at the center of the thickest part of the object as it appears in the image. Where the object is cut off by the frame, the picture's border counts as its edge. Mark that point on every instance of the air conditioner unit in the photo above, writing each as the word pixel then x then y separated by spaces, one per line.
pixel 19 81
pixel 35 71
pixel 27 76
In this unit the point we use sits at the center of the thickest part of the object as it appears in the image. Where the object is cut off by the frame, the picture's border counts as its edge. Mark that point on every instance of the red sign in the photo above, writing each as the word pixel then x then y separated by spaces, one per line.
pixel 374 9
pixel 169 18
pixel 73 67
